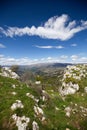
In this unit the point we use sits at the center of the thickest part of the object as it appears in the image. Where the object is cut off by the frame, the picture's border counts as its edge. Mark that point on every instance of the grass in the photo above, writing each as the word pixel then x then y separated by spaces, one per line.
pixel 55 119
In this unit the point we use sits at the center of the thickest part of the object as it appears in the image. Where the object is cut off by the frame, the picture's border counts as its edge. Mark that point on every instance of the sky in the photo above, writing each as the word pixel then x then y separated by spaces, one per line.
pixel 43 31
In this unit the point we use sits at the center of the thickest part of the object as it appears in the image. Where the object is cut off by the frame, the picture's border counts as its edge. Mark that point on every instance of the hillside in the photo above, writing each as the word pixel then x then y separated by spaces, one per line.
pixel 52 101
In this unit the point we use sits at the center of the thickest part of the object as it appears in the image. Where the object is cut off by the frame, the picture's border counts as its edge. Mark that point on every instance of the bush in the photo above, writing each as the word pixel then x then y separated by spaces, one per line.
pixel 14 68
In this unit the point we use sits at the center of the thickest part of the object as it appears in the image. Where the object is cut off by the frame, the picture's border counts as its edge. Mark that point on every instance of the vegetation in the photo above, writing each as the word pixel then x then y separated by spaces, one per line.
pixel 53 107
pixel 14 68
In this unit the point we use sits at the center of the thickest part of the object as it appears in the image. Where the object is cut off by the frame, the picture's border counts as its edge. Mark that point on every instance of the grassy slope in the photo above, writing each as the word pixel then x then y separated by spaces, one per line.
pixel 55 119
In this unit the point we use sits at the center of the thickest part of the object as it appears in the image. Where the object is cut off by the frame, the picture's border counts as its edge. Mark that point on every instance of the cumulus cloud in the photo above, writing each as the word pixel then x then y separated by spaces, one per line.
pixel 27 61
pixel 57 27
pixel 1 56
pixel 74 57
pixel 49 58
pixel 78 59
pixel 49 47
pixel 12 61
pixel 64 57
pixel 2 46
pixel 83 60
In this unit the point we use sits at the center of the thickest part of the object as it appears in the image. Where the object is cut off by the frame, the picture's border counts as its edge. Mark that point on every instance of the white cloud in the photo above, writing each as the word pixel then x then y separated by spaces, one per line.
pixel 59 47
pixel 49 58
pixel 42 59
pixel 27 61
pixel 78 59
pixel 35 60
pixel 74 57
pixel 44 47
pixel 64 57
pixel 2 46
pixel 83 60
pixel 23 61
pixel 74 44
pixel 1 56
pixel 49 47
pixel 57 27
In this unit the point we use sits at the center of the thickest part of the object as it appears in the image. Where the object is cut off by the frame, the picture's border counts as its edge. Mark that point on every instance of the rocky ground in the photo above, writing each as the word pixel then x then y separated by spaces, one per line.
pixel 25 107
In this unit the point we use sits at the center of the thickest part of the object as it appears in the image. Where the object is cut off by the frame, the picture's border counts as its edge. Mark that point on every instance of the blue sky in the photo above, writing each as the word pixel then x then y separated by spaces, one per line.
pixel 42 31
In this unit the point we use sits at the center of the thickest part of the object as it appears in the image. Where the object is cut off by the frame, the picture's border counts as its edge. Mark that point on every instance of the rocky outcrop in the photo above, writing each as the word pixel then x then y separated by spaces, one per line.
pixel 17 104
pixel 85 89
pixel 7 72
pixel 21 122
pixel 35 125
pixel 72 75
pixel 39 113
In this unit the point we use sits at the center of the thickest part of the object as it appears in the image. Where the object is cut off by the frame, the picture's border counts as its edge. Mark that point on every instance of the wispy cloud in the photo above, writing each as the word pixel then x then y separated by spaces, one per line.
pixel 2 46
pixel 44 47
pixel 59 47
pixel 49 47
pixel 74 44
pixel 57 27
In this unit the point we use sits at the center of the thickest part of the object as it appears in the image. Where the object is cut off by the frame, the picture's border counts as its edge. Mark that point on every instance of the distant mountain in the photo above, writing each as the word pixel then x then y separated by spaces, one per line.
pixel 45 65
pixel 60 64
